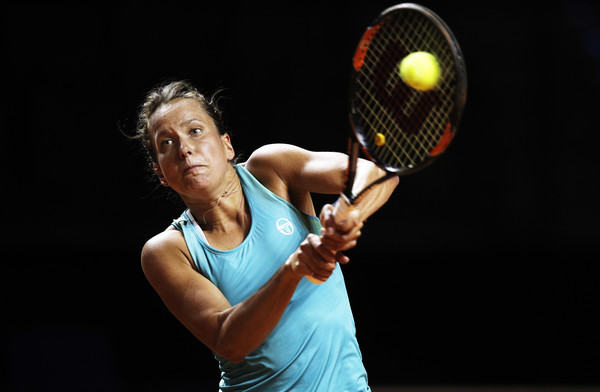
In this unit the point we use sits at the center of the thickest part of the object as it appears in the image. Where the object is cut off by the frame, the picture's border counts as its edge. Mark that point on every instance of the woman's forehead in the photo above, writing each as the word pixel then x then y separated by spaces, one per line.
pixel 177 111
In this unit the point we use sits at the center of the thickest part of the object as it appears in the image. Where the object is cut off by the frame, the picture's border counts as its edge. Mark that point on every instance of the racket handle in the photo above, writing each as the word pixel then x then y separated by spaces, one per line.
pixel 314 280
pixel 341 210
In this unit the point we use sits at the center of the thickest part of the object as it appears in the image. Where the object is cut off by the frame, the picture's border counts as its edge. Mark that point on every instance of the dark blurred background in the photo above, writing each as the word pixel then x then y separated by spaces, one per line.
pixel 483 269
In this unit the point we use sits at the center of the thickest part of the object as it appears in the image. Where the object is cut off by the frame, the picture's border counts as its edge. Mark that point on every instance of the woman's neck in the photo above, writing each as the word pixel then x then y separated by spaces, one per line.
pixel 224 209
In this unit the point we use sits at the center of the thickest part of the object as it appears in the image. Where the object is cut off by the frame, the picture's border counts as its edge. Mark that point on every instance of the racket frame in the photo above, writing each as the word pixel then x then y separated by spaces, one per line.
pixel 357 141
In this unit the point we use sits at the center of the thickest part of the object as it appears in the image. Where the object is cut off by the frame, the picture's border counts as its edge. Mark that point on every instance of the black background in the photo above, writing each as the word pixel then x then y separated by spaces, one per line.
pixel 481 270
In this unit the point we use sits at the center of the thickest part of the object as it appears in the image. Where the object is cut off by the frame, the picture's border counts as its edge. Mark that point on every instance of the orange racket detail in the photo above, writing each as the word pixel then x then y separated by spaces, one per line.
pixel 444 142
pixel 363 46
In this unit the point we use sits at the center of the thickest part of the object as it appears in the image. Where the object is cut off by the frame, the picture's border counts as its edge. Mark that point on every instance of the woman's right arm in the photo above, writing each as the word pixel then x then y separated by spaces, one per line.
pixel 231 331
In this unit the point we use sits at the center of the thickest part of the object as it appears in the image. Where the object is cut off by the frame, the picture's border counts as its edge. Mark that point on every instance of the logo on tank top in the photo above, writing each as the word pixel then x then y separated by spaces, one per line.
pixel 285 226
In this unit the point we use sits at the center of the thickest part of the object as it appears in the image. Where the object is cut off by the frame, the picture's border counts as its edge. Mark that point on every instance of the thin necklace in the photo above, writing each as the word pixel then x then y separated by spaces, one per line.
pixel 227 193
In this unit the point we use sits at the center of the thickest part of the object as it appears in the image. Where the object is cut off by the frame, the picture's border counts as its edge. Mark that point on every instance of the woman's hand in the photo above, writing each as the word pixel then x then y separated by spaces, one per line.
pixel 313 259
pixel 318 256
pixel 342 235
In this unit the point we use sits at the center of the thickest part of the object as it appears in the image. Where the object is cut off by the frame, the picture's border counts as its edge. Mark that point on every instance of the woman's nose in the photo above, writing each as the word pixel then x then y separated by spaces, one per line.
pixel 185 149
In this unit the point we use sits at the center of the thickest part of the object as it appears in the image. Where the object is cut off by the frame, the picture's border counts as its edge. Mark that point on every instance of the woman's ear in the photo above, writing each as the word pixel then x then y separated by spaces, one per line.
pixel 229 151
pixel 160 175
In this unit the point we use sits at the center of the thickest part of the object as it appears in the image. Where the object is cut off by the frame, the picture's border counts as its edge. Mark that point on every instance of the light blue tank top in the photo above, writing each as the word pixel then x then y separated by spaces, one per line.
pixel 314 347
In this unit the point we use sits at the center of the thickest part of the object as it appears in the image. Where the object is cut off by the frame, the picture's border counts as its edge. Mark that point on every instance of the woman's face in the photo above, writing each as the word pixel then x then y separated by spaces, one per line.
pixel 191 156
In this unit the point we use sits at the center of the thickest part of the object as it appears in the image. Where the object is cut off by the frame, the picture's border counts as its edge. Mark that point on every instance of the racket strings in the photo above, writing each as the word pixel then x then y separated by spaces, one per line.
pixel 413 122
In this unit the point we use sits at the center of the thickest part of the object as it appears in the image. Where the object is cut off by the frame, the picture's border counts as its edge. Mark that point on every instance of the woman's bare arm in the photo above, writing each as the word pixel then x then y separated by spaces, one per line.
pixel 231 331
pixel 293 173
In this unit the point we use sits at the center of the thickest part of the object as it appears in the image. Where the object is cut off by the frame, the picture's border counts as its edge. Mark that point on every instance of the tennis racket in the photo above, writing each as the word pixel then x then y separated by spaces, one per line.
pixel 399 128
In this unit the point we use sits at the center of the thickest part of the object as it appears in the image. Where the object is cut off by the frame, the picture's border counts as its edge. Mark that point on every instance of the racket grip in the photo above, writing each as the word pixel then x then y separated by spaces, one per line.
pixel 342 208
pixel 314 280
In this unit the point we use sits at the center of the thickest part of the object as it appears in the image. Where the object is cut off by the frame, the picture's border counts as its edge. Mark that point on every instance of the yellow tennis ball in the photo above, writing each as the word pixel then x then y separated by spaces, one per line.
pixel 379 139
pixel 420 70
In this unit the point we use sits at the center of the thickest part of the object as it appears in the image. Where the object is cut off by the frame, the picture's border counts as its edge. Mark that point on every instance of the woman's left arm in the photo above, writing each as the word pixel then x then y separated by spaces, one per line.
pixel 293 173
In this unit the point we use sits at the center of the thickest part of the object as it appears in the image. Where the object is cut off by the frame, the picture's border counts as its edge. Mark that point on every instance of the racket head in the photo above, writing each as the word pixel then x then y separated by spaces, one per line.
pixel 399 128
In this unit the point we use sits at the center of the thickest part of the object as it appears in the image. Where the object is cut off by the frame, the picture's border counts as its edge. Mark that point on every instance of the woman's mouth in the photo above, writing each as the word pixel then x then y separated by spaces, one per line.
pixel 194 168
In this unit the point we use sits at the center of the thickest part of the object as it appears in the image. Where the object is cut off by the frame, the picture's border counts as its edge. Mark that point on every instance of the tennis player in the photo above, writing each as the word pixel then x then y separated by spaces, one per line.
pixel 224 267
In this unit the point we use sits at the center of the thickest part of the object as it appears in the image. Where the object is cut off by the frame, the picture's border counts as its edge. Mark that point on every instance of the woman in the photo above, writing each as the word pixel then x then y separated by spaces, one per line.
pixel 225 267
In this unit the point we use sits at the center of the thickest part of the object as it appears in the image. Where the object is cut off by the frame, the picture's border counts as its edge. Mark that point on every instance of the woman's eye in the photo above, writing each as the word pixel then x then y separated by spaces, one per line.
pixel 166 142
pixel 196 131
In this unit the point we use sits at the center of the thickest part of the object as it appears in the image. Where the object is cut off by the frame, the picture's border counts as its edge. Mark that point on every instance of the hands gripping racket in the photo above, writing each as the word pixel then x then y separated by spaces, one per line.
pixel 398 127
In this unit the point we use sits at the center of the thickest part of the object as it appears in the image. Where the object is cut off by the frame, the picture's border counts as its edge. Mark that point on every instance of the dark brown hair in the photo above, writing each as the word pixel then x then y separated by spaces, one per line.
pixel 165 93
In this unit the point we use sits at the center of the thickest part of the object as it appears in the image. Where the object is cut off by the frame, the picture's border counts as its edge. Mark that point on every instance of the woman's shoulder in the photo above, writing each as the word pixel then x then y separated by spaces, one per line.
pixel 163 246
pixel 275 159
pixel 274 152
